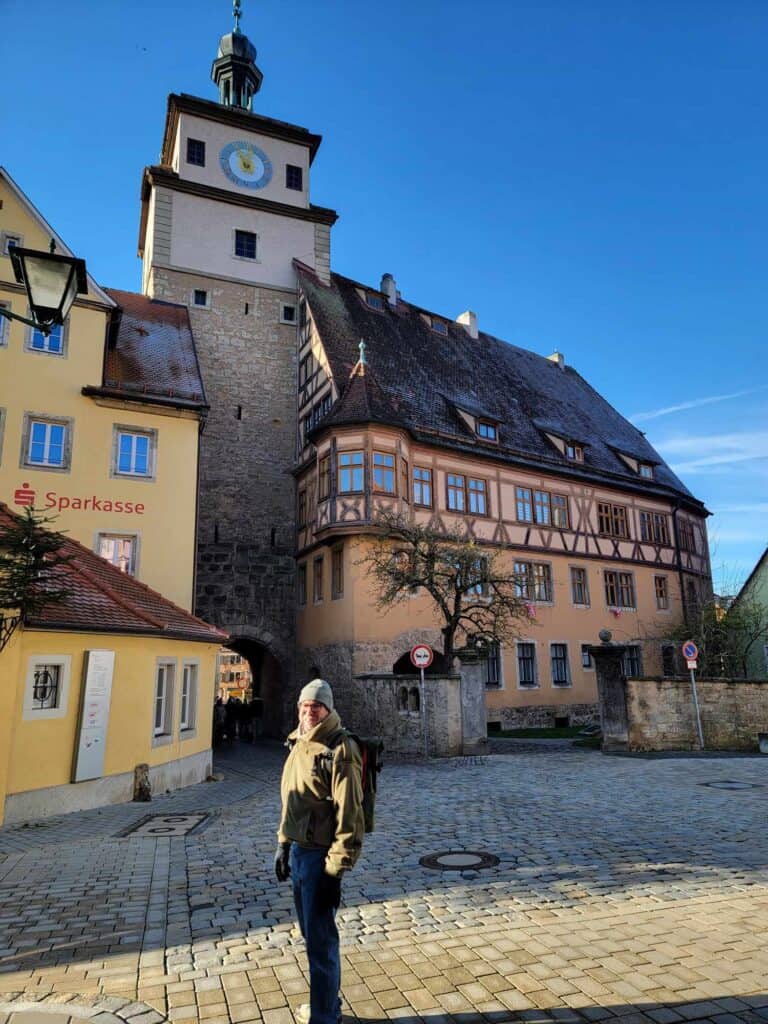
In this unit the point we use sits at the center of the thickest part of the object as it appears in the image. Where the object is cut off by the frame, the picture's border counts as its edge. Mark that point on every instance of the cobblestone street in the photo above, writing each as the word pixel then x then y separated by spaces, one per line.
pixel 632 888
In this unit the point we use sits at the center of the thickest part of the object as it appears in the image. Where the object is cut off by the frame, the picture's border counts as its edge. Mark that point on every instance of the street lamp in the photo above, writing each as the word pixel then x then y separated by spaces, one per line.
pixel 52 283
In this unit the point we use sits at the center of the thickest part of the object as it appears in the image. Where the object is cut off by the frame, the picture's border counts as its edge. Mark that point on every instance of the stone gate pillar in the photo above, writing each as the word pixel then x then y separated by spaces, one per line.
pixel 474 720
pixel 611 692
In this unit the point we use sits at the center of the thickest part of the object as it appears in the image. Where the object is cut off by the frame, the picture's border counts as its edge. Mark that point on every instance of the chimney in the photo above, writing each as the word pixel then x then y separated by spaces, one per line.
pixel 468 321
pixel 389 288
pixel 559 358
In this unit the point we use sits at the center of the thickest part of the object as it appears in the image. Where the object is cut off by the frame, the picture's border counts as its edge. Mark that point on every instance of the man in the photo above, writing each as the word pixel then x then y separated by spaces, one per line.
pixel 319 838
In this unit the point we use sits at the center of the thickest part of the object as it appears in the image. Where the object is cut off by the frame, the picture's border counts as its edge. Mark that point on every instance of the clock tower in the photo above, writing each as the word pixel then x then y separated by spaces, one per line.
pixel 224 214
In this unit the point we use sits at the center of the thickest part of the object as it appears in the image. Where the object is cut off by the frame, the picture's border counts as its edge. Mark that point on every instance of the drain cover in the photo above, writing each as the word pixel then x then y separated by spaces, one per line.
pixel 157 826
pixel 459 860
pixel 728 784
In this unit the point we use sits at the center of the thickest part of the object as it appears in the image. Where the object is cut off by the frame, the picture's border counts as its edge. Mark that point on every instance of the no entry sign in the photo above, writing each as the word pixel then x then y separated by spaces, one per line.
pixel 421 655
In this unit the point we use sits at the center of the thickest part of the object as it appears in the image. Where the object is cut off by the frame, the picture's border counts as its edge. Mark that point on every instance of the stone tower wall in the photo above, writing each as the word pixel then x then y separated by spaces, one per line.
pixel 245 564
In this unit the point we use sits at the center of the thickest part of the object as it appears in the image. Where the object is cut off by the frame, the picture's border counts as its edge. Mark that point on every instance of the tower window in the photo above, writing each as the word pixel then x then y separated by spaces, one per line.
pixel 287 313
pixel 294 177
pixel 196 152
pixel 245 245
pixel 200 298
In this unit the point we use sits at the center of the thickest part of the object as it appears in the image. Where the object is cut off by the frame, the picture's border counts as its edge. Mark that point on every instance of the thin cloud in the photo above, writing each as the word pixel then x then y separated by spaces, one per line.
pixel 640 417
pixel 716 452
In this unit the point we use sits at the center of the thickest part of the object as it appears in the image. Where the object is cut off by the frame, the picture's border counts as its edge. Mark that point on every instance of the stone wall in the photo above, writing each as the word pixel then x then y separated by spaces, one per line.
pixel 661 716
pixel 544 715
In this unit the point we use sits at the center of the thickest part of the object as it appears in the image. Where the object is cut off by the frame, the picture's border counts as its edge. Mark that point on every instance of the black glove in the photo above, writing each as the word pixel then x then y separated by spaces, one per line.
pixel 328 894
pixel 282 867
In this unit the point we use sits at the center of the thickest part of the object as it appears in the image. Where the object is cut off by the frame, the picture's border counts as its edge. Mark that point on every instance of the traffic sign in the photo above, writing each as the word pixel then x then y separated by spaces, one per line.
pixel 690 650
pixel 421 655
pixel 691 663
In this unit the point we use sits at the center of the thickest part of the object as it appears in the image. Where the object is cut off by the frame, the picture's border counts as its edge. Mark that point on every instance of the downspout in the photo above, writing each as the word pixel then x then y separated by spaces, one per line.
pixel 200 429
pixel 683 597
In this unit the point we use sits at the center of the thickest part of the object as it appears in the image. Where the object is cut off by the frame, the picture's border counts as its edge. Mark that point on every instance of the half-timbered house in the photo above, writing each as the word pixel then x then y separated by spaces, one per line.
pixel 443 423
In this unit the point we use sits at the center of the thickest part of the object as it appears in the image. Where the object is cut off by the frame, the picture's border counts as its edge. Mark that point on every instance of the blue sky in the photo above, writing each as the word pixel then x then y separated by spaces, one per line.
pixel 587 176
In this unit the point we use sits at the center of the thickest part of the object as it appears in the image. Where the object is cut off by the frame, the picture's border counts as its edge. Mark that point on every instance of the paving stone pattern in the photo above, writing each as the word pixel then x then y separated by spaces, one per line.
pixel 625 888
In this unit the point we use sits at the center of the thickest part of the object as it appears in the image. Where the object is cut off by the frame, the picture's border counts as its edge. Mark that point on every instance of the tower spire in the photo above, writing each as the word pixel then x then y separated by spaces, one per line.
pixel 234 71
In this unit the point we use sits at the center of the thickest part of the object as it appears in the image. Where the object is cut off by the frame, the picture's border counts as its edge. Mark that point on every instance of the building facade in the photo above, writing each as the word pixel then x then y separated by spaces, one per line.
pixel 445 425
pixel 100 420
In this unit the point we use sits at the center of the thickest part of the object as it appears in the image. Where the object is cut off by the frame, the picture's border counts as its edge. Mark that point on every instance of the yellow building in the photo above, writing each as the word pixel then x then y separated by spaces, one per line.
pixel 111 677
pixel 100 420
pixel 446 425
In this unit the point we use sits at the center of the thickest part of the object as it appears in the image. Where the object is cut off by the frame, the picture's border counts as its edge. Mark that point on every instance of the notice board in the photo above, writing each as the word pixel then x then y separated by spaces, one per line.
pixel 98 669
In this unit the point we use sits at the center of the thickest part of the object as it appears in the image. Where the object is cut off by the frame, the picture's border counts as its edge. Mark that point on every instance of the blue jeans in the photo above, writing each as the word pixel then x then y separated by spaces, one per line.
pixel 318 927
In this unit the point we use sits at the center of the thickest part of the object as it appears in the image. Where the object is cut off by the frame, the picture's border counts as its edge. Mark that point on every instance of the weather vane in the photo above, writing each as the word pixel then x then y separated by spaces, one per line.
pixel 237 13
pixel 361 346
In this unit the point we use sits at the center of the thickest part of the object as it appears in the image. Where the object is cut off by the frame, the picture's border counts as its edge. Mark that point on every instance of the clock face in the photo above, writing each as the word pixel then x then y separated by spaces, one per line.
pixel 246 164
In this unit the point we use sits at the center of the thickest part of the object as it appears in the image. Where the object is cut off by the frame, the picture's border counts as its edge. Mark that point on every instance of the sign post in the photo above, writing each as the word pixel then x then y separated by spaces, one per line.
pixel 691 654
pixel 421 657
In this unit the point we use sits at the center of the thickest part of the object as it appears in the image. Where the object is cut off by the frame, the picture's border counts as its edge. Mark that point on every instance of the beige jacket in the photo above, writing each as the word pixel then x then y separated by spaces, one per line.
pixel 322 795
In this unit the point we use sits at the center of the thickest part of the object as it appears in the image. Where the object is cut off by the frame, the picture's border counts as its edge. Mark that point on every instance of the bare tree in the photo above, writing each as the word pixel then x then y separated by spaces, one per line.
pixel 30 557
pixel 725 633
pixel 472 593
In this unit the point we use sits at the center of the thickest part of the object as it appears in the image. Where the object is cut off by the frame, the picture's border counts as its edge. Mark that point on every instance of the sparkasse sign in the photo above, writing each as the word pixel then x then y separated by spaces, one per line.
pixel 26 497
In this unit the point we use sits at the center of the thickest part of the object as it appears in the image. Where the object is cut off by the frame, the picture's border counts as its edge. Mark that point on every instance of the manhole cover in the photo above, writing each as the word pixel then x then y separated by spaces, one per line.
pixel 459 860
pixel 728 784
pixel 157 826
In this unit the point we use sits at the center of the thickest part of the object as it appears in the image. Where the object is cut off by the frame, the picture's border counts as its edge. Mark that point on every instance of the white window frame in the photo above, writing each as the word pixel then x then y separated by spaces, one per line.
pixel 26 440
pixel 30 333
pixel 190 668
pixel 197 305
pixel 5 237
pixel 163 733
pixel 119 429
pixel 29 712
pixel 246 259
pixel 284 319
pixel 591 666
pixel 5 323
pixel 536 685
pixel 569 676
pixel 133 536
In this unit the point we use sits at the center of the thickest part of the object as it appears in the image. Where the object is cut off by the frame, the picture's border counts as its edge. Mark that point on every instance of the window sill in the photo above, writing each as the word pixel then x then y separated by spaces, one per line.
pixel 163 739
pixel 188 734
pixel 146 477
pixel 584 607
pixel 45 352
pixel 45 469
pixel 528 686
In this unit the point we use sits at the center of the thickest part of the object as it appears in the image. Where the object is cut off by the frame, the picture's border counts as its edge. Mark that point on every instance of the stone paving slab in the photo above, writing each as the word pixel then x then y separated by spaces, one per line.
pixel 624 889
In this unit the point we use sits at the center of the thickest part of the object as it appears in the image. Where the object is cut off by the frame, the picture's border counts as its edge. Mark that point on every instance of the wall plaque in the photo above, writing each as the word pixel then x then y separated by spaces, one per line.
pixel 98 669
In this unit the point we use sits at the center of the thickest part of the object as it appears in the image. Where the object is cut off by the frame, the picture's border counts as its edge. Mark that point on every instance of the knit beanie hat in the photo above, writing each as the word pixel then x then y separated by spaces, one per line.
pixel 317 690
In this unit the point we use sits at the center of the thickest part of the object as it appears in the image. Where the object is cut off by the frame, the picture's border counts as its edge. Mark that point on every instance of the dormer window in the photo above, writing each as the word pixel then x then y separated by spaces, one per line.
pixel 645 469
pixel 574 452
pixel 487 430
pixel 439 326
pixel 374 301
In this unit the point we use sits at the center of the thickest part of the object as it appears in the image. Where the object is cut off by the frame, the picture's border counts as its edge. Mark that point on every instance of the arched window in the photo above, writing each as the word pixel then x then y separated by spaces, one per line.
pixel 402 698
pixel 414 699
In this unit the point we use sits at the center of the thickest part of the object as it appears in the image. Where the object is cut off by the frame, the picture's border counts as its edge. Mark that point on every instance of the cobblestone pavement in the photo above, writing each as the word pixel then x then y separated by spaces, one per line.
pixel 624 888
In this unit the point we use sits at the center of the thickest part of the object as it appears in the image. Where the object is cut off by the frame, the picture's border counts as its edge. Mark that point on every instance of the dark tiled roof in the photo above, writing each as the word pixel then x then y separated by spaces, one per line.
pixel 102 599
pixel 151 351
pixel 425 378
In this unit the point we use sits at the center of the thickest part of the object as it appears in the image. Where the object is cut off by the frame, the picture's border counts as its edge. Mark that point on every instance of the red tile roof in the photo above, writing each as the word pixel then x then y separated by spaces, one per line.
pixel 151 352
pixel 102 599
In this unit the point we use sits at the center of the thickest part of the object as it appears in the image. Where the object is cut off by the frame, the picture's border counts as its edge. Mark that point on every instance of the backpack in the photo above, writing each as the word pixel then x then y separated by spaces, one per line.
pixel 371 750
